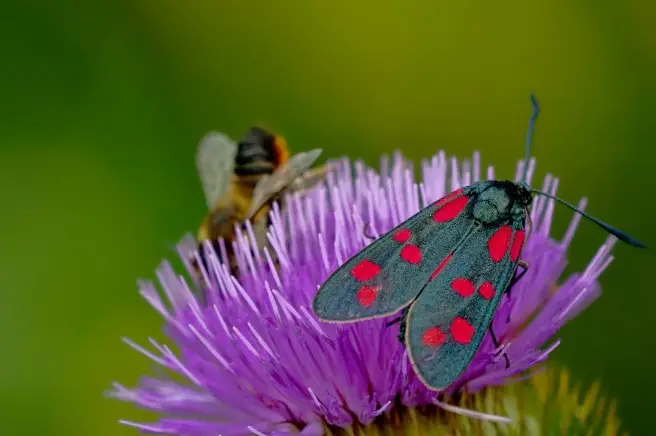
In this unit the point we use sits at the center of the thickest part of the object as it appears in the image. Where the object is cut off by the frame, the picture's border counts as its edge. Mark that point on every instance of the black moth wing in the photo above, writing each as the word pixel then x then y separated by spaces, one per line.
pixel 388 274
pixel 446 324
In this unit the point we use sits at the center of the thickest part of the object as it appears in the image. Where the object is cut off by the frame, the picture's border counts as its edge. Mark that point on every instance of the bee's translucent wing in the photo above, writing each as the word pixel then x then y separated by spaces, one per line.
pixel 215 160
pixel 272 185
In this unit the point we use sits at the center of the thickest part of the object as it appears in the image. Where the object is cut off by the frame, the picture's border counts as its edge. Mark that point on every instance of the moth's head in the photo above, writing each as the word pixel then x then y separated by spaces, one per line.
pixel 501 199
pixel 524 195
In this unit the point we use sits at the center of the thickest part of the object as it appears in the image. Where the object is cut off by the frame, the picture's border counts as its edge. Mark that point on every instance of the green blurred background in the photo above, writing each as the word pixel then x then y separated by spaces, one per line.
pixel 103 104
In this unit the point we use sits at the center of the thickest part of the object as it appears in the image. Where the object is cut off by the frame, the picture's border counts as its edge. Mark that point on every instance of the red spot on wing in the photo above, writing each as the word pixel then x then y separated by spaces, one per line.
pixel 498 243
pixel 441 266
pixel 448 198
pixel 517 243
pixel 402 235
pixel 463 287
pixel 411 254
pixel 450 210
pixel 461 331
pixel 487 290
pixel 433 337
pixel 365 270
pixel 366 296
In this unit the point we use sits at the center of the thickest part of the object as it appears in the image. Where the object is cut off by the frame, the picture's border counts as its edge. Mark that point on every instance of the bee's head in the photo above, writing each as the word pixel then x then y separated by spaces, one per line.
pixel 257 142
pixel 256 153
pixel 261 145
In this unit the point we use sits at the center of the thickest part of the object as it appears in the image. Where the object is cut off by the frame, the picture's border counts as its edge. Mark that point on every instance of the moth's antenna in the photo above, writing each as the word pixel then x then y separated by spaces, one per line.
pixel 610 229
pixel 529 133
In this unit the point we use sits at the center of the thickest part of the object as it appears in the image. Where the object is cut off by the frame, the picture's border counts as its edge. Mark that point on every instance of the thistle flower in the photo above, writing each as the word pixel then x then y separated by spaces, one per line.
pixel 257 361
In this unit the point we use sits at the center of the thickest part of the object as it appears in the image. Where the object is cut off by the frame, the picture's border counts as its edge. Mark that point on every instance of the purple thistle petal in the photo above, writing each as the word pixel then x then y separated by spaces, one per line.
pixel 257 361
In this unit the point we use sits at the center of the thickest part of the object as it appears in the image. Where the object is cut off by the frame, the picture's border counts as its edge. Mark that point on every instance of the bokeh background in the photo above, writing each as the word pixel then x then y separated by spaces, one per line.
pixel 103 104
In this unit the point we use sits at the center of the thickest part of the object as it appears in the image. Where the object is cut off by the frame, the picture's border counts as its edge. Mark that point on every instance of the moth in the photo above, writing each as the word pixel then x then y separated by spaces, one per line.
pixel 446 268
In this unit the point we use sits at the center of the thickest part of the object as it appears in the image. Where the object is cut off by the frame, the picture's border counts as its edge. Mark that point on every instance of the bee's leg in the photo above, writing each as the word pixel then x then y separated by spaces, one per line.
pixel 314 175
pixel 310 178
pixel 496 345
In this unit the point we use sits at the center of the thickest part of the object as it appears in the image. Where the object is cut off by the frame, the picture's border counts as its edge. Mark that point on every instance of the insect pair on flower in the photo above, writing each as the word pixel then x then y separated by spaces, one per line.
pixel 253 359
pixel 446 268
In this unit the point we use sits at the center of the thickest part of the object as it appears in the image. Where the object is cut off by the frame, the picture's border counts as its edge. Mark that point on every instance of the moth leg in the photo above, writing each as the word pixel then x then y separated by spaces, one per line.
pixel 396 321
pixel 402 327
pixel 366 233
pixel 496 345
pixel 401 319
pixel 515 279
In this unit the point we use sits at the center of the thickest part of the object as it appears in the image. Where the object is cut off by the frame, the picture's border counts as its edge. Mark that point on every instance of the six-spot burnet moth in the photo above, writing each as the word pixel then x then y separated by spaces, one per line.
pixel 447 268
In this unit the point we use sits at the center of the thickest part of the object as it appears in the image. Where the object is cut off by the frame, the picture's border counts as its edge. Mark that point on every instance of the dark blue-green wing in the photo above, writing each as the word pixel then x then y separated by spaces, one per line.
pixel 447 322
pixel 389 273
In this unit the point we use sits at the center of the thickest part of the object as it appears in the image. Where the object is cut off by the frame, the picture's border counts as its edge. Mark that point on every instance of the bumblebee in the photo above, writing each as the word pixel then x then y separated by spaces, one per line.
pixel 241 181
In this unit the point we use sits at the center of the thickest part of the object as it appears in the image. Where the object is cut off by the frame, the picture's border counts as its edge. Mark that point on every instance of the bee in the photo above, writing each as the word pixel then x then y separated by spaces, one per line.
pixel 241 181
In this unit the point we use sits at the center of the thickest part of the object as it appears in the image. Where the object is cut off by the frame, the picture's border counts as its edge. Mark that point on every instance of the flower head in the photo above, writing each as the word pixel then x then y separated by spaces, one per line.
pixel 256 359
